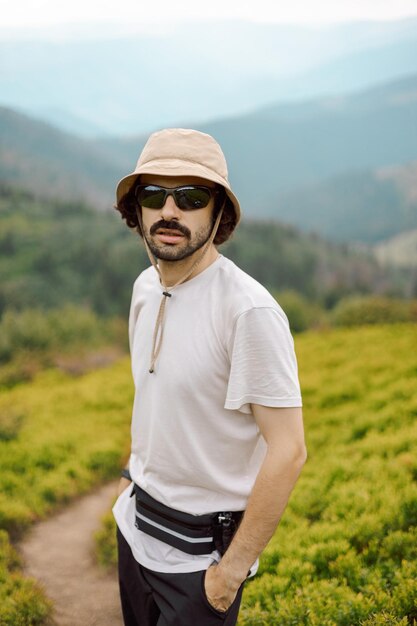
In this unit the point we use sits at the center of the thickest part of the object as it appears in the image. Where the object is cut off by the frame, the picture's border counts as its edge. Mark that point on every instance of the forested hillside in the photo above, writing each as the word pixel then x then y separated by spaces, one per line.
pixel 53 253
pixel 368 206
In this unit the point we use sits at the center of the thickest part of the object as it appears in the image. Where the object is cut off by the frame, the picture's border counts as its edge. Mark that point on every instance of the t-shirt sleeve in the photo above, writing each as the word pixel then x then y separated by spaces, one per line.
pixel 263 362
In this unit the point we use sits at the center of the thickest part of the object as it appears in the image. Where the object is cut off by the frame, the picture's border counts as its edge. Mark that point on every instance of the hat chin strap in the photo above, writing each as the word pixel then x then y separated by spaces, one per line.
pixel 159 324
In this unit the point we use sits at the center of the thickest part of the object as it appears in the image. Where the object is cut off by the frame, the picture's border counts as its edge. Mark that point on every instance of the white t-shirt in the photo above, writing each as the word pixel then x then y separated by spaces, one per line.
pixel 195 444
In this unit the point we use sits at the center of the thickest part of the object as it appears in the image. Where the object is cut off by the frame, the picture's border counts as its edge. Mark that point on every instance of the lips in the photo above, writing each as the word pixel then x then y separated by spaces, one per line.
pixel 169 231
pixel 168 235
pixel 169 228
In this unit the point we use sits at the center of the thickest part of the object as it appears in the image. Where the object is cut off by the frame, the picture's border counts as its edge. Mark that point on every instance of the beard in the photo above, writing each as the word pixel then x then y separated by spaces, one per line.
pixel 177 252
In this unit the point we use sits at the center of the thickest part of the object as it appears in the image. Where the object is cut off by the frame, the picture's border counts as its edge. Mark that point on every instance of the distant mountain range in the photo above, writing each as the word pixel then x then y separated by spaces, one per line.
pixel 93 84
pixel 36 156
pixel 288 147
pixel 344 167
pixel 366 205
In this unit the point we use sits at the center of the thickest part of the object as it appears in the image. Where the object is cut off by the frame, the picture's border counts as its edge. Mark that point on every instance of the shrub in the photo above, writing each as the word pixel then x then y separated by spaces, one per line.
pixel 10 423
pixel 27 330
pixel 72 338
pixel 22 603
pixel 104 462
pixel 385 619
pixel 361 310
pixel 38 331
pixel 301 313
pixel 105 542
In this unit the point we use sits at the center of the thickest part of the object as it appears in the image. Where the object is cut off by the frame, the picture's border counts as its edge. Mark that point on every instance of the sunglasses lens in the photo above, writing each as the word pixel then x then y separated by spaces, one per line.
pixel 187 198
pixel 151 196
pixel 190 198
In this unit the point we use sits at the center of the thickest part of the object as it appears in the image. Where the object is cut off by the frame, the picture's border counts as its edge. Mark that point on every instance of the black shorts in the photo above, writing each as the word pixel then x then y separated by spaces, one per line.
pixel 157 599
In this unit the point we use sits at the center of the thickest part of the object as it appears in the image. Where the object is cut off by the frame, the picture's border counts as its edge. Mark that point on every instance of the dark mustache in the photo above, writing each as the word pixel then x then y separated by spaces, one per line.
pixel 170 225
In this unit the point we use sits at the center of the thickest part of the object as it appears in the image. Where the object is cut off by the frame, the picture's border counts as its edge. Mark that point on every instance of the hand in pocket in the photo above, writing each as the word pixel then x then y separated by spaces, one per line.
pixel 219 592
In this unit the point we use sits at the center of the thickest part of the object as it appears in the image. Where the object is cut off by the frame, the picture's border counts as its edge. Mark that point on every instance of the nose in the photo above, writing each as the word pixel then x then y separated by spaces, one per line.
pixel 170 211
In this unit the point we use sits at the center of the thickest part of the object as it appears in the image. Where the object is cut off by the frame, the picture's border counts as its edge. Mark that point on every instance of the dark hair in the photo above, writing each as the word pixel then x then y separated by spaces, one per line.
pixel 128 205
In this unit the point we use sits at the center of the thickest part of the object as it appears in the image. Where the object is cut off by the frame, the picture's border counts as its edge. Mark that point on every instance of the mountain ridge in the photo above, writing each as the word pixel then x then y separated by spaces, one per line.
pixel 282 159
pixel 231 67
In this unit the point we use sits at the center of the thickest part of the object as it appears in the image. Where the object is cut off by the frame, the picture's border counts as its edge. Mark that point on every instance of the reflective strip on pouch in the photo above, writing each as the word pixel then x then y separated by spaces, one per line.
pixel 172 532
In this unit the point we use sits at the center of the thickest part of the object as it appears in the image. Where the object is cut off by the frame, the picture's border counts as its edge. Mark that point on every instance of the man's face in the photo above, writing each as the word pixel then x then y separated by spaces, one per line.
pixel 173 234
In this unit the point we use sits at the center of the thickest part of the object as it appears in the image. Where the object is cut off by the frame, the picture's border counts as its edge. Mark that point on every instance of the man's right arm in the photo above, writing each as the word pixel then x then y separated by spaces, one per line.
pixel 123 484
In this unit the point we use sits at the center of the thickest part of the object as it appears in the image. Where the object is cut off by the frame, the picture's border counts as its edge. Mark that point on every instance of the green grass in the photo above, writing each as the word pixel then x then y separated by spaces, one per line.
pixel 345 551
pixel 74 433
pixel 22 602
pixel 59 436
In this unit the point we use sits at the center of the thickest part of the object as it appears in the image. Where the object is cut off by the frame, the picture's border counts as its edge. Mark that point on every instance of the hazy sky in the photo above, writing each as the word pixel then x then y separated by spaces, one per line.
pixel 38 13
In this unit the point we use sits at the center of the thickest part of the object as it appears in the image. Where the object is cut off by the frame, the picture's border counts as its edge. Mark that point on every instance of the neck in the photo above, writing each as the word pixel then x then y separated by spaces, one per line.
pixel 172 271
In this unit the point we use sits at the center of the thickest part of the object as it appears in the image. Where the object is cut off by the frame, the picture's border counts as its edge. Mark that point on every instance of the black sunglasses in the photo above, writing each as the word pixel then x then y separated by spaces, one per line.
pixel 187 197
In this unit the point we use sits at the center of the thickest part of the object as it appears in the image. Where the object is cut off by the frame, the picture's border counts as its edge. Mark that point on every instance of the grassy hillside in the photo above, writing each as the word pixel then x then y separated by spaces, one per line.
pixel 345 553
pixel 59 437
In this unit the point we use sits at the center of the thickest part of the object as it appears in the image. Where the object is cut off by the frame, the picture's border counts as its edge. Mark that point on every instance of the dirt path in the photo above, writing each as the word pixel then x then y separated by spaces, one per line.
pixel 58 553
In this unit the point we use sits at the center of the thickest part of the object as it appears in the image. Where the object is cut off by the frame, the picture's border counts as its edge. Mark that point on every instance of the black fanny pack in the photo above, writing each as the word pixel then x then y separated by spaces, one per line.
pixel 194 534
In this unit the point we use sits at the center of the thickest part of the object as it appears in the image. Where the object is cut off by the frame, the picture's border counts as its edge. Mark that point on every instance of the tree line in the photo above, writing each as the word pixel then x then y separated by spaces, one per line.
pixel 54 253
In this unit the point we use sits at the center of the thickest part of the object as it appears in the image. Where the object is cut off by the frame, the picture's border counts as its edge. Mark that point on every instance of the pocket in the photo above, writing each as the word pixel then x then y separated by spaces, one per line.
pixel 207 601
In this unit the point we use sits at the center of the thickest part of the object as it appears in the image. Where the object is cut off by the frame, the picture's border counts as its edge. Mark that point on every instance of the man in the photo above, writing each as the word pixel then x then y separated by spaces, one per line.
pixel 217 434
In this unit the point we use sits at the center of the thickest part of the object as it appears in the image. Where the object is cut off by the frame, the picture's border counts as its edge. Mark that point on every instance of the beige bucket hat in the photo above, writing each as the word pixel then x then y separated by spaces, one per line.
pixel 181 152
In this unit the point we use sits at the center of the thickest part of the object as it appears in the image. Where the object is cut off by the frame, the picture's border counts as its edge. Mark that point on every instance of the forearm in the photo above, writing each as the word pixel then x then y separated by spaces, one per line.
pixel 125 480
pixel 123 484
pixel 269 497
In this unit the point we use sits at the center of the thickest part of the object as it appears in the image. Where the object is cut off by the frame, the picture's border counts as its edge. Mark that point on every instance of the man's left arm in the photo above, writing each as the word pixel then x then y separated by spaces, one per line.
pixel 282 429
